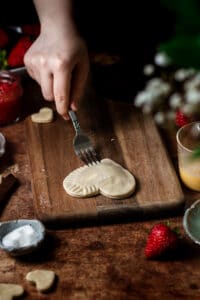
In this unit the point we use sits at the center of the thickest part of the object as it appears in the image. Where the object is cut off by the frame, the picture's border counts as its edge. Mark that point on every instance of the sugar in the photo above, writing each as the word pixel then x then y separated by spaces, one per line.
pixel 23 236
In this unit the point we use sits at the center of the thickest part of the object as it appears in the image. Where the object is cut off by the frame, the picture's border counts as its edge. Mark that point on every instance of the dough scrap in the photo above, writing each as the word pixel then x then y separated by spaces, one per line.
pixel 107 178
pixel 8 291
pixel 45 115
pixel 43 279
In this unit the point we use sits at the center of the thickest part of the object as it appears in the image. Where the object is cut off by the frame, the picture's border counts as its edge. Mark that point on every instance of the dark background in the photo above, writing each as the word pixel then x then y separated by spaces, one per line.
pixel 130 29
pixel 116 26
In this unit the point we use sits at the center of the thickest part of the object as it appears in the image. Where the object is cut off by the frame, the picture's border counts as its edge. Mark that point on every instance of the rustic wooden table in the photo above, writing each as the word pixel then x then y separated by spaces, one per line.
pixel 97 262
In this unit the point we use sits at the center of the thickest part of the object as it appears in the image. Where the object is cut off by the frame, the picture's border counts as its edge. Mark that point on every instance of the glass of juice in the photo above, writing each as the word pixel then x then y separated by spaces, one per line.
pixel 188 141
pixel 10 97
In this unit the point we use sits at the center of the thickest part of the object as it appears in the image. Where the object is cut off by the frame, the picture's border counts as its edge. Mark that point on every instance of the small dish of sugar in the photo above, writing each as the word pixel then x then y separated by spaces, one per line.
pixel 19 237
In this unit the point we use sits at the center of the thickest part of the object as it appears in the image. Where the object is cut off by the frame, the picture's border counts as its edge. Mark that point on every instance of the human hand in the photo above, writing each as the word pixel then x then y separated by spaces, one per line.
pixel 58 61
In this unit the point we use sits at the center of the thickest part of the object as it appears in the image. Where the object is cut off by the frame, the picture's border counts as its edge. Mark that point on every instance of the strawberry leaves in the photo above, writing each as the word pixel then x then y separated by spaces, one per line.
pixel 3 59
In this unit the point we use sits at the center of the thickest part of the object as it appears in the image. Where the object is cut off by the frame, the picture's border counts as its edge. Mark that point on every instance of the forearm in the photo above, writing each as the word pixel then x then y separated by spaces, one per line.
pixel 55 13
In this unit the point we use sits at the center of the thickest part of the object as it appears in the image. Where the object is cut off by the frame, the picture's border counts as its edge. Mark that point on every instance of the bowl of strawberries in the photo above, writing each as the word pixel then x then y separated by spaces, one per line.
pixel 14 42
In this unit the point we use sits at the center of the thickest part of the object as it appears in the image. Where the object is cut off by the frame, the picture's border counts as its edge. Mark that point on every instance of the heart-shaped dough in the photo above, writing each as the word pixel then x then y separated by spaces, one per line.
pixel 107 178
pixel 43 279
pixel 8 291
pixel 45 115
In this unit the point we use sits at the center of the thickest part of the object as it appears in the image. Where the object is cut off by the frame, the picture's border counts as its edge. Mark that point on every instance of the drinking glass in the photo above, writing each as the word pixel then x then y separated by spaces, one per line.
pixel 188 141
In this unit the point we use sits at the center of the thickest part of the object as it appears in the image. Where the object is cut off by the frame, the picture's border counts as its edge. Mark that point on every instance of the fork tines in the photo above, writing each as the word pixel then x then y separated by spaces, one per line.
pixel 88 156
pixel 83 146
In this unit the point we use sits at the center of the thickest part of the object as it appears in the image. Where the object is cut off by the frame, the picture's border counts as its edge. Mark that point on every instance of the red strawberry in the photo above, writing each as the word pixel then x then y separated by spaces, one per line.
pixel 16 56
pixel 181 119
pixel 3 38
pixel 161 240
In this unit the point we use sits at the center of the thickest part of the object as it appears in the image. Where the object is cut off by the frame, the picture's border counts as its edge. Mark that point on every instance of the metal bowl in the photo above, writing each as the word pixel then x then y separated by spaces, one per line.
pixel 9 226
pixel 191 222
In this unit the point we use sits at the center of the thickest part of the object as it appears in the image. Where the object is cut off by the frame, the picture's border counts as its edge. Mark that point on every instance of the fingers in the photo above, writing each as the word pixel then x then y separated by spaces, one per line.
pixel 62 77
pixel 46 83
pixel 61 91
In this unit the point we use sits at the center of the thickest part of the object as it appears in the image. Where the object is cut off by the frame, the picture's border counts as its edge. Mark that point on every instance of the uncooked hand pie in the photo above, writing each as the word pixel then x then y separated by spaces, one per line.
pixel 107 178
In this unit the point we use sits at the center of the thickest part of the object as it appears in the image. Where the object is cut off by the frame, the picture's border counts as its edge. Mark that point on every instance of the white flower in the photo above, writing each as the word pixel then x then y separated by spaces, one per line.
pixel 154 83
pixel 165 88
pixel 141 98
pixel 188 109
pixel 192 96
pixel 193 83
pixel 183 74
pixel 175 101
pixel 162 59
pixel 149 97
pixel 159 86
pixel 149 70
pixel 159 117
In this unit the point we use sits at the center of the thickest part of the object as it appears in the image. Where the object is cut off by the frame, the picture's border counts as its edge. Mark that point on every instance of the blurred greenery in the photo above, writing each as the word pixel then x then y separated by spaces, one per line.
pixel 3 60
pixel 196 153
pixel 184 46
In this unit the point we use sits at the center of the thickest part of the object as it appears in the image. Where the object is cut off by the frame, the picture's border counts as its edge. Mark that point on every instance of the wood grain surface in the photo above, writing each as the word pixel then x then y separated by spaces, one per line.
pixel 95 262
pixel 6 188
pixel 120 133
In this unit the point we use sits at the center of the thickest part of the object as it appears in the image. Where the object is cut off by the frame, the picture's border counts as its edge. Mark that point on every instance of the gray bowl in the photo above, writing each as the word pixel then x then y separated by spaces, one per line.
pixel 7 227
pixel 191 222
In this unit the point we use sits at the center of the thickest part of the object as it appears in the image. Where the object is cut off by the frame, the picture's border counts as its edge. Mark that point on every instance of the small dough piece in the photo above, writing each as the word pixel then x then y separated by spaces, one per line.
pixel 45 115
pixel 107 178
pixel 43 279
pixel 8 291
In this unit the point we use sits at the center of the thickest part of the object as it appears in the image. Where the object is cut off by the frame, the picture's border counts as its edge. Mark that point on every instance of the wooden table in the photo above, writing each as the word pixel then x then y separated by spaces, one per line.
pixel 97 262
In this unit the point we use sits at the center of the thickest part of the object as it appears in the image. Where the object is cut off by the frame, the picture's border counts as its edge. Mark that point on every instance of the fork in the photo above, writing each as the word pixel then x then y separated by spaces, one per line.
pixel 83 146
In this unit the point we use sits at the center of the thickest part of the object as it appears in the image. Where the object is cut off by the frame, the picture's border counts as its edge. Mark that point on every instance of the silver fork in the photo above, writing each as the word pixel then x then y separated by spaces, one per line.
pixel 83 146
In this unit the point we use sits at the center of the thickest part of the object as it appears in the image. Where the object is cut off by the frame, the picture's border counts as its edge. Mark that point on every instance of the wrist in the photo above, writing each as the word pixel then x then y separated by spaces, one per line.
pixel 55 16
pixel 67 27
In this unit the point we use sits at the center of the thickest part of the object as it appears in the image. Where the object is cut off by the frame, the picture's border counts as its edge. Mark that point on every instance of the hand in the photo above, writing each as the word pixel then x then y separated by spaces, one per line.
pixel 58 61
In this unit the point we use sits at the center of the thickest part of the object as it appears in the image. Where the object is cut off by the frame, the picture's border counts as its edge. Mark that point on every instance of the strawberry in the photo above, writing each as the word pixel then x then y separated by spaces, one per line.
pixel 16 56
pixel 181 119
pixel 3 38
pixel 161 239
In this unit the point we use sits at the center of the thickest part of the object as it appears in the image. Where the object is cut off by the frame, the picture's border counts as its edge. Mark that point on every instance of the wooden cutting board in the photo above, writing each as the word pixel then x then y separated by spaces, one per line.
pixel 120 133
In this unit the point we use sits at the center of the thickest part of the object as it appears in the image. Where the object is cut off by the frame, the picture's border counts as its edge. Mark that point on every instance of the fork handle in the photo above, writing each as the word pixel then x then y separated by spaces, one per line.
pixel 75 121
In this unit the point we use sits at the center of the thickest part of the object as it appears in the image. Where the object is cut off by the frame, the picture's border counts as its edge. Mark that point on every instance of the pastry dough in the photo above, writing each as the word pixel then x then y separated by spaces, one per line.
pixel 45 115
pixel 107 178
pixel 8 291
pixel 43 279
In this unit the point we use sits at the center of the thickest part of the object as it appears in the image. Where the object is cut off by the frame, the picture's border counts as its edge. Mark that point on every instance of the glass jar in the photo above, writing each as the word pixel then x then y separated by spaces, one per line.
pixel 10 97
